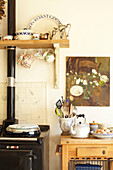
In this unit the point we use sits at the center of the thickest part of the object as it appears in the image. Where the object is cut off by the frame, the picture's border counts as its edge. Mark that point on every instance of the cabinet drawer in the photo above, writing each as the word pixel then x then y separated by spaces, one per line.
pixel 92 151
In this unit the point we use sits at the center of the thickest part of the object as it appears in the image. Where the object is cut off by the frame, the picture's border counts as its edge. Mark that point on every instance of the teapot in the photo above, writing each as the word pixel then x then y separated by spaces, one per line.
pixel 80 130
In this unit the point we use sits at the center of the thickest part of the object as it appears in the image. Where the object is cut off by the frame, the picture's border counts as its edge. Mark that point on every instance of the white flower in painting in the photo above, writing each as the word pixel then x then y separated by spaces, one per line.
pixel 84 82
pixel 88 74
pixel 81 80
pixel 75 72
pixel 93 86
pixel 71 71
pixel 91 82
pixel 94 76
pixel 104 78
pixel 78 81
pixel 67 74
pixel 99 74
pixel 94 71
pixel 75 78
pixel 97 83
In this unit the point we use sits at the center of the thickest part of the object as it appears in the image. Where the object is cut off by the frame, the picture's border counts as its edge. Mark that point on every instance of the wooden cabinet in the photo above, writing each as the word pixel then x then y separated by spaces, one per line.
pixel 90 148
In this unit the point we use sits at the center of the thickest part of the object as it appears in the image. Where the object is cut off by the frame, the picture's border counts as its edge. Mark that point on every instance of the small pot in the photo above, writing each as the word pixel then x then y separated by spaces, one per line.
pixel 93 126
pixel 24 34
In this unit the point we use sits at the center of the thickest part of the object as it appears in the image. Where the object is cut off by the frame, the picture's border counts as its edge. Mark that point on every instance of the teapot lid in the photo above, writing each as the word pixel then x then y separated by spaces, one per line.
pixel 93 123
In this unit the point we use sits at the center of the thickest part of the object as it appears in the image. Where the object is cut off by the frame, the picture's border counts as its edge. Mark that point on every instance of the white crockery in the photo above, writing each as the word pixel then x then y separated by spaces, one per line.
pixel 49 56
pixel 24 34
pixel 36 36
pixel 80 131
pixel 66 123
pixel 7 37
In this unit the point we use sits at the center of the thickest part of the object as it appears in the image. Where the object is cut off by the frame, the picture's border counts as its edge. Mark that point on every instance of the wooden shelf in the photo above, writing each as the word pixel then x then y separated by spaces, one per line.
pixel 33 44
pixel 25 44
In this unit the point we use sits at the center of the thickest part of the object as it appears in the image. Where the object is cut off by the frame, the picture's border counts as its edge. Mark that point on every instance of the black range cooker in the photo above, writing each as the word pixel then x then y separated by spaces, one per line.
pixel 20 151
pixel 26 152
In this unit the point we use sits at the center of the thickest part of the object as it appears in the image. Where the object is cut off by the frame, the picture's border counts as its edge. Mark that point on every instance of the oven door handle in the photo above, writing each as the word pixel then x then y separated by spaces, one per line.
pixel 29 158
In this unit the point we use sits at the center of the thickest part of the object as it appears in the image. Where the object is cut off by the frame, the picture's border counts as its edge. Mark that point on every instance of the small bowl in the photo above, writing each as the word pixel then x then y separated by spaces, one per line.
pixel 24 34
pixel 36 36
pixel 7 37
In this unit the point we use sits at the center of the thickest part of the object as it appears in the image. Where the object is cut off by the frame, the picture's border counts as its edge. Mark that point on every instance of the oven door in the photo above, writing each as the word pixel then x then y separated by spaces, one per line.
pixel 15 159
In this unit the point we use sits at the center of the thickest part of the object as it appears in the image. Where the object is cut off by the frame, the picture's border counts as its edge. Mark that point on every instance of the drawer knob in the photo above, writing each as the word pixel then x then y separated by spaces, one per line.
pixel 103 152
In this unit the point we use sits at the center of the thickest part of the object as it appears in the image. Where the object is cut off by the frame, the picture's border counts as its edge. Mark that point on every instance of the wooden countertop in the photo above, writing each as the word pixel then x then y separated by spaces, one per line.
pixel 91 140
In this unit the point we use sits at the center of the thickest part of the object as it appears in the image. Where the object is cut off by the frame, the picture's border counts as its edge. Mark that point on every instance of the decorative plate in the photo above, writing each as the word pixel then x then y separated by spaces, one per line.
pixel 76 90
pixel 44 23
pixel 103 136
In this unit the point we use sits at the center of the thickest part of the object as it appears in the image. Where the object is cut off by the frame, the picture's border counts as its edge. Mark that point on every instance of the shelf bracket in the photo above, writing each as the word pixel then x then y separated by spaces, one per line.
pixel 56 65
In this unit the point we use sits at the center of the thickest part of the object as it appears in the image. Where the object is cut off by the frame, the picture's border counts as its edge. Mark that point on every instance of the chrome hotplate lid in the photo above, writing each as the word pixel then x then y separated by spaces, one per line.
pixel 21 128
pixel 44 130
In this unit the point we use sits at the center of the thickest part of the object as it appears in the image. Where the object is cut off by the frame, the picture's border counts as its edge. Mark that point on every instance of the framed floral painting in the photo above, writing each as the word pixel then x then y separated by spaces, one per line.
pixel 88 81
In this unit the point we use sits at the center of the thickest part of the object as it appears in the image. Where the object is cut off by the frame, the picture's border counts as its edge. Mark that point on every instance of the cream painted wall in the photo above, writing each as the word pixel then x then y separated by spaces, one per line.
pixel 91 35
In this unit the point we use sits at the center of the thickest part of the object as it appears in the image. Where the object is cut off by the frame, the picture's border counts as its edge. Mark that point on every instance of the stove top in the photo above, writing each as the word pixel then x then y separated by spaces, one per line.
pixel 44 131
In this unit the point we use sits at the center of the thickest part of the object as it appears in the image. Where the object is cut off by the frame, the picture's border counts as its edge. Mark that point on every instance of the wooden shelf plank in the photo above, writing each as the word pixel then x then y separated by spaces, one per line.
pixel 25 44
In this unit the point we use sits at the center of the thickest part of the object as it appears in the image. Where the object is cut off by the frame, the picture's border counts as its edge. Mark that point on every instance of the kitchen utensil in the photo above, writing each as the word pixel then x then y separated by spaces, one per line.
pixel 59 112
pixel 59 104
pixel 24 34
pixel 49 56
pixel 25 60
pixel 103 136
pixel 27 129
pixel 74 110
pixel 80 130
pixel 64 30
pixel 36 36
pixel 93 127
pixel 66 108
pixel 65 125
pixel 44 36
pixel 71 109
pixel 7 37
pixel 39 55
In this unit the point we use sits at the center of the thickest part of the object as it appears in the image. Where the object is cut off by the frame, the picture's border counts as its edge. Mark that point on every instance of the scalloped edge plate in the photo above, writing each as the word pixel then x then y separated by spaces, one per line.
pixel 103 136
pixel 76 88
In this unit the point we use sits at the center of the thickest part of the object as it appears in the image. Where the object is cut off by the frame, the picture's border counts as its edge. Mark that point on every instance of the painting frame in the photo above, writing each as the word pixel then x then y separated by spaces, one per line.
pixel 92 65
